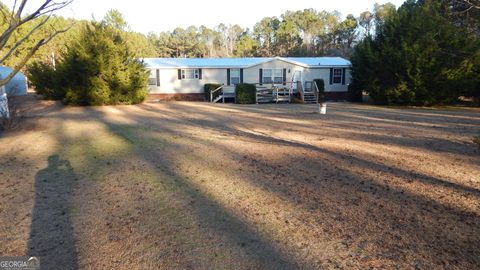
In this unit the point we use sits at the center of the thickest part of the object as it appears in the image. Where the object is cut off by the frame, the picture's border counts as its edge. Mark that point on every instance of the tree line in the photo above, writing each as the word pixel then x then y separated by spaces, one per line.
pixel 305 32
pixel 425 53
pixel 294 33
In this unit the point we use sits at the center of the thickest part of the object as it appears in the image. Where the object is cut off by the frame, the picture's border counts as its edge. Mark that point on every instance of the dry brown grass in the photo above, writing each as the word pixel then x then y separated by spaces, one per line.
pixel 201 186
pixel 476 140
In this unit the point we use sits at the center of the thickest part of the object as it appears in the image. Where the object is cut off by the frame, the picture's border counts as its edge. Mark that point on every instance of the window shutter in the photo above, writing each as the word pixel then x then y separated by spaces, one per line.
pixel 260 76
pixel 228 76
pixel 200 74
pixel 241 75
pixel 343 76
pixel 331 76
pixel 158 77
pixel 179 74
pixel 284 76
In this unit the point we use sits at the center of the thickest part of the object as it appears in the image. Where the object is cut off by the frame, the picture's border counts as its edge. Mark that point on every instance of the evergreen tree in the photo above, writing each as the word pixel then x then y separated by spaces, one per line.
pixel 99 69
pixel 418 57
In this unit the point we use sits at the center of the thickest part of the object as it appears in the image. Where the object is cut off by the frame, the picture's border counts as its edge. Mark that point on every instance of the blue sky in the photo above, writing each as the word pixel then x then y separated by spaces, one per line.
pixel 150 15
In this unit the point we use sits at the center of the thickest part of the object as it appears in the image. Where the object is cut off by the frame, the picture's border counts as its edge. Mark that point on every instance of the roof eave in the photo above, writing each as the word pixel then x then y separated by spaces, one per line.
pixel 197 67
pixel 329 66
pixel 292 62
pixel 278 58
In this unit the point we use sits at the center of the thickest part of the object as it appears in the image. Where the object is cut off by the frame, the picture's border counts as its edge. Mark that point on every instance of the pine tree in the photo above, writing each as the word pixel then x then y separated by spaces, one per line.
pixel 418 57
pixel 99 69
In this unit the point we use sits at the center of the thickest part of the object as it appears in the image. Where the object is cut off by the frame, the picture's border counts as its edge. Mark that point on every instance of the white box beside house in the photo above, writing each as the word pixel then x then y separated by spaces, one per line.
pixel 187 76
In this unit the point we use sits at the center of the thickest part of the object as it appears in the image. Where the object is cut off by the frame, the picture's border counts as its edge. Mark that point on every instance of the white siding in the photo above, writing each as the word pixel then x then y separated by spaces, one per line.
pixel 324 73
pixel 251 75
pixel 170 84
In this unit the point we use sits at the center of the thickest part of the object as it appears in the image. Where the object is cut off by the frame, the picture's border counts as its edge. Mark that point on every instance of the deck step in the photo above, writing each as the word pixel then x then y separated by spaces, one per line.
pixel 217 99
pixel 309 98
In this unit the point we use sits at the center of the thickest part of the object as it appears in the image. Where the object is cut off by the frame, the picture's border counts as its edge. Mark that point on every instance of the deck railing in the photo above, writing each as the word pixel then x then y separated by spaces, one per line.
pixel 300 90
pixel 270 92
pixel 213 96
pixel 276 92
pixel 317 92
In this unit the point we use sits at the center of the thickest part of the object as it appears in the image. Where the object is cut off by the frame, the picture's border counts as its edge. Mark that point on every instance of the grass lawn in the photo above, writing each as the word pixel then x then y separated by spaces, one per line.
pixel 198 186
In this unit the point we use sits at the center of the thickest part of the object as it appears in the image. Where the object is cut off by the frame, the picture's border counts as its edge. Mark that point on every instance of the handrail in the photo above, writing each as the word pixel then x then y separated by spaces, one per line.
pixel 211 92
pixel 317 92
pixel 279 85
pixel 278 91
pixel 275 92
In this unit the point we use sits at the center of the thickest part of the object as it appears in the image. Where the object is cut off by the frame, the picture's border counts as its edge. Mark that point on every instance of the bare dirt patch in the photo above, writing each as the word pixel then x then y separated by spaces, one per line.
pixel 200 186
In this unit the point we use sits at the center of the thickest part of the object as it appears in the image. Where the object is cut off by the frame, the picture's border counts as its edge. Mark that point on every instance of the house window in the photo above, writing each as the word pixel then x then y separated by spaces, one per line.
pixel 267 76
pixel 278 76
pixel 189 74
pixel 235 76
pixel 154 77
pixel 337 75
pixel 273 76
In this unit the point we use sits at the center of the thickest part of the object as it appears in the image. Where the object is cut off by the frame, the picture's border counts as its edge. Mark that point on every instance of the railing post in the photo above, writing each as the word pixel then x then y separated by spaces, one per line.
pixel 221 93
pixel 300 90
pixel 4 113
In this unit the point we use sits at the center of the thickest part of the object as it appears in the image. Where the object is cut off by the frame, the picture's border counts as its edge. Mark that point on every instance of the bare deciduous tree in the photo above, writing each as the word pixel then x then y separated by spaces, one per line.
pixel 15 19
pixel 472 4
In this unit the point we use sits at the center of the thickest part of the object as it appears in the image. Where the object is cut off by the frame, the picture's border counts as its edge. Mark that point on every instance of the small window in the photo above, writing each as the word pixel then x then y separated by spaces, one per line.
pixel 337 75
pixel 153 79
pixel 273 76
pixel 267 76
pixel 278 76
pixel 235 76
pixel 189 74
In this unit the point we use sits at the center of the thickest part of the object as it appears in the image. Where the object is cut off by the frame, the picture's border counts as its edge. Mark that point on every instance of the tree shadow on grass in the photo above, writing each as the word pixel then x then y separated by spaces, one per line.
pixel 51 231
pixel 365 194
pixel 442 244
pixel 228 129
pixel 245 241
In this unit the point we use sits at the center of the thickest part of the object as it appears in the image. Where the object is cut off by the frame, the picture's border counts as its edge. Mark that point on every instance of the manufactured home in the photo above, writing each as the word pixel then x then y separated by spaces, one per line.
pixel 184 78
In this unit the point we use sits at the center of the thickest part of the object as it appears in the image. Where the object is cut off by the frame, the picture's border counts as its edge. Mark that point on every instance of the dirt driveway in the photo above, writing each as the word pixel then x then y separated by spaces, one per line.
pixel 198 186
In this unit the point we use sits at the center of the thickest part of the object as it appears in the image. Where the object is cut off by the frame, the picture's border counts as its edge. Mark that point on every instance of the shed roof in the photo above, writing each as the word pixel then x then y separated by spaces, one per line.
pixel 242 62
pixel 17 85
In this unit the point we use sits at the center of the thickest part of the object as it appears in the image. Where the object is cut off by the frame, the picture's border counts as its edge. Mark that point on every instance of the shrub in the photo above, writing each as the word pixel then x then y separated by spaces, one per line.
pixel 72 97
pixel 99 93
pixel 42 77
pixel 97 70
pixel 14 114
pixel 321 89
pixel 209 87
pixel 355 94
pixel 245 93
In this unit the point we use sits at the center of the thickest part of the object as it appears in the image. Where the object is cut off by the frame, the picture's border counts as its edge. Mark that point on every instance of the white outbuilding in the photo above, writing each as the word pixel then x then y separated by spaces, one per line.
pixel 17 86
